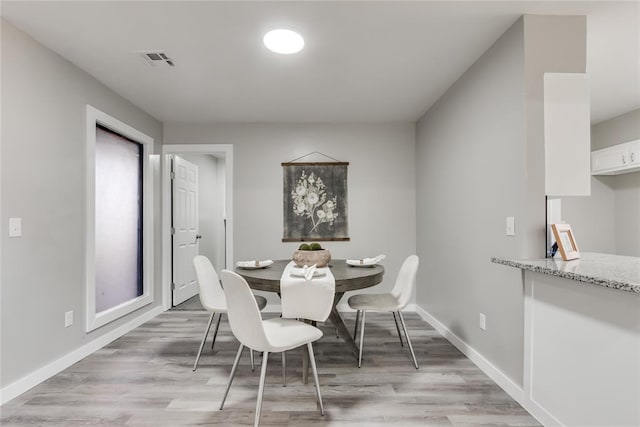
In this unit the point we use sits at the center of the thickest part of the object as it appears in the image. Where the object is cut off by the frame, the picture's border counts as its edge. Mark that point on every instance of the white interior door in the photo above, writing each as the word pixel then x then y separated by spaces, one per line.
pixel 185 228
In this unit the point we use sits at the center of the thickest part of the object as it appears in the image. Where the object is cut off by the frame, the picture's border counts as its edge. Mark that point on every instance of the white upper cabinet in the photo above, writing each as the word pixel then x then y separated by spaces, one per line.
pixel 567 134
pixel 618 159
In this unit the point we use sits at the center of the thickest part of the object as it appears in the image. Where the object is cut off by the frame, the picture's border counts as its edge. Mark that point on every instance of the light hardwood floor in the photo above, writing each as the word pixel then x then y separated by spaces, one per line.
pixel 145 379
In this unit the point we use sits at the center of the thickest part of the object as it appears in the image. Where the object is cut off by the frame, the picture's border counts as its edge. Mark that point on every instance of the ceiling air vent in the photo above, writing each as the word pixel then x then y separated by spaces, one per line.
pixel 158 59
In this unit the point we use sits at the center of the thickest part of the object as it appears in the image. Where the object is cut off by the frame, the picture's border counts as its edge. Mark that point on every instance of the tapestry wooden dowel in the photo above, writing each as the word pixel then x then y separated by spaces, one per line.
pixel 315 164
pixel 311 154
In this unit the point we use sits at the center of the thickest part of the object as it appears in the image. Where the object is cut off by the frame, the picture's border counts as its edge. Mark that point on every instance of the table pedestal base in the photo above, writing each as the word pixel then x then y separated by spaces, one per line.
pixel 343 332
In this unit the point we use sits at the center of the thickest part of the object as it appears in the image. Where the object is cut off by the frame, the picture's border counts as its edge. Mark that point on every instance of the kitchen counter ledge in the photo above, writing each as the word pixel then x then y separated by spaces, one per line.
pixel 611 271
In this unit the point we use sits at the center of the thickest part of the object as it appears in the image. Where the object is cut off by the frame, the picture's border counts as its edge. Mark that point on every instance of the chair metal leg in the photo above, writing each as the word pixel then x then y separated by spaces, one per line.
pixel 364 312
pixel 215 332
pixel 204 338
pixel 355 328
pixel 263 374
pixel 233 373
pixel 395 319
pixel 253 367
pixel 312 359
pixel 404 327
pixel 284 369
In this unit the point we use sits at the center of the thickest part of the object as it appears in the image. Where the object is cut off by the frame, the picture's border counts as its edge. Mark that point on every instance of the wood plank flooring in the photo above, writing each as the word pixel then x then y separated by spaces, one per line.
pixel 145 379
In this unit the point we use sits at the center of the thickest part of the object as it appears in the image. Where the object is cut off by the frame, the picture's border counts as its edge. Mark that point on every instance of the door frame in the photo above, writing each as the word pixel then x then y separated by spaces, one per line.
pixel 223 150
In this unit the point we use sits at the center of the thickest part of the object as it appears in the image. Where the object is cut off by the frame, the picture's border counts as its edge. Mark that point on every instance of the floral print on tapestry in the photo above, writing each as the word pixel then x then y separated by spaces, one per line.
pixel 315 201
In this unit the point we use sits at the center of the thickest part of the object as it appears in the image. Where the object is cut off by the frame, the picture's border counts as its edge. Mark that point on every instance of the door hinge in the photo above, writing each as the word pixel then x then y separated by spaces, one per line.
pixel 173 230
pixel 172 175
pixel 173 286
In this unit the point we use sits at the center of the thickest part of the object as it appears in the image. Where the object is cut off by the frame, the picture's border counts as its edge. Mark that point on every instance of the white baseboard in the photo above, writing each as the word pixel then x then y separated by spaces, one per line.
pixel 31 380
pixel 499 377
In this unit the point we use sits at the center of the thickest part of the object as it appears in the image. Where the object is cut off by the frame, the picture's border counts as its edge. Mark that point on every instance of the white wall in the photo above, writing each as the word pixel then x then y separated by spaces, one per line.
pixel 480 157
pixel 609 220
pixel 556 44
pixel 627 214
pixel 381 184
pixel 471 175
pixel 592 218
pixel 625 188
pixel 221 212
pixel 43 182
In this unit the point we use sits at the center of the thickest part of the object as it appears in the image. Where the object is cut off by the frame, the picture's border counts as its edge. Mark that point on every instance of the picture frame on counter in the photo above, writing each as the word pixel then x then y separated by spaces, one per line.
pixel 566 241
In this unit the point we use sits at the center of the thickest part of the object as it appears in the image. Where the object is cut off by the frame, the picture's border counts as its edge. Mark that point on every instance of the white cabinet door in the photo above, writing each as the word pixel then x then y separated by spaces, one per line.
pixel 634 153
pixel 617 159
pixel 567 134
pixel 609 159
pixel 185 229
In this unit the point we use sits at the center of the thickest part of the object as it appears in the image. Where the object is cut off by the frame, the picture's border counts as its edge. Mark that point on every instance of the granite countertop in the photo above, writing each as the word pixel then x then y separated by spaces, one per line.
pixel 611 271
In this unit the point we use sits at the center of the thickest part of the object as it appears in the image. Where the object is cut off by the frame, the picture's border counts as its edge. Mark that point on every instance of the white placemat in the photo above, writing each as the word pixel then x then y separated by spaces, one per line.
pixel 307 299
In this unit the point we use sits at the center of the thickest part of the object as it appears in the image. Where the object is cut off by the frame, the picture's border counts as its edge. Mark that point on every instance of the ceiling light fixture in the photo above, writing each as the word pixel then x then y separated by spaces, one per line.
pixel 283 41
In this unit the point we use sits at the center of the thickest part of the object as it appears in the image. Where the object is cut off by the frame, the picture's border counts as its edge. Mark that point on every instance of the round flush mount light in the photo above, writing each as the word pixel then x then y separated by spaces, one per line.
pixel 283 41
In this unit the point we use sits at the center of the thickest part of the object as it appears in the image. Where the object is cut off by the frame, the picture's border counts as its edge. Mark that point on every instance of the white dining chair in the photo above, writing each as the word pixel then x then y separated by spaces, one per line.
pixel 393 302
pixel 268 336
pixel 213 300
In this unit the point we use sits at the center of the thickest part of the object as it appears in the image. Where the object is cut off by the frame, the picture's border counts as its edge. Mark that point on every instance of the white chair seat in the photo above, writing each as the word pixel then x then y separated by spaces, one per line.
pixel 374 302
pixel 392 302
pixel 285 334
pixel 221 306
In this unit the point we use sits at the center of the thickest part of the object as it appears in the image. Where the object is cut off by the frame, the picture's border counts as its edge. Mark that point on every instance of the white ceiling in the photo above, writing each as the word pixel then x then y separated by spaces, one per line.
pixel 363 61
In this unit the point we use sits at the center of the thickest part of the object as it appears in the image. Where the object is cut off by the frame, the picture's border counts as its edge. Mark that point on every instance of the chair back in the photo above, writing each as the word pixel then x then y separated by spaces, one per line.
pixel 243 312
pixel 406 280
pixel 211 294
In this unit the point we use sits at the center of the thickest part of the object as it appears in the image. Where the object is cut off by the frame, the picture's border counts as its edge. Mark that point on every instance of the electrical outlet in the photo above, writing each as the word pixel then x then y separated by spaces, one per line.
pixel 511 226
pixel 68 318
pixel 483 322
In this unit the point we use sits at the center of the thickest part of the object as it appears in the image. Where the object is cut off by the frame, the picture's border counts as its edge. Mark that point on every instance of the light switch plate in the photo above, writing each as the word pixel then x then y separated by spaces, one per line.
pixel 68 318
pixel 511 226
pixel 15 227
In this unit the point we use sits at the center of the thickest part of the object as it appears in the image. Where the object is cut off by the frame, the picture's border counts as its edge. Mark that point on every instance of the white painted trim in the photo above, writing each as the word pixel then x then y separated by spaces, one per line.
pixel 528 332
pixel 31 380
pixel 9 213
pixel 499 377
pixel 166 225
pixel 95 320
pixel 167 150
pixel 487 367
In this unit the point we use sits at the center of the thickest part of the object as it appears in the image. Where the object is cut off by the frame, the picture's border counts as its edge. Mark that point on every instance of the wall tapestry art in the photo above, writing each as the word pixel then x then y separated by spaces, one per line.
pixel 315 201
